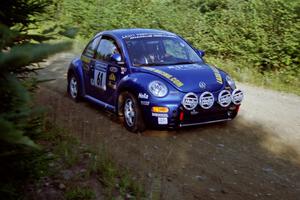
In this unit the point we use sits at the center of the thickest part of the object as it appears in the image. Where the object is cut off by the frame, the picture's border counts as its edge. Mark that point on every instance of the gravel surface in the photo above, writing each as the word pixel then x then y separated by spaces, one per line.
pixel 255 156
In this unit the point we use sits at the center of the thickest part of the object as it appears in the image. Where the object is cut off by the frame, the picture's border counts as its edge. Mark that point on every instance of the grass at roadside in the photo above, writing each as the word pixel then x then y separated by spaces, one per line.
pixel 88 170
pixel 244 73
pixel 67 169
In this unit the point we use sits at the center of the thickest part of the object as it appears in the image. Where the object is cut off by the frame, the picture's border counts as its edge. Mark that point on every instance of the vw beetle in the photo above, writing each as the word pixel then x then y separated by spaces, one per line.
pixel 152 78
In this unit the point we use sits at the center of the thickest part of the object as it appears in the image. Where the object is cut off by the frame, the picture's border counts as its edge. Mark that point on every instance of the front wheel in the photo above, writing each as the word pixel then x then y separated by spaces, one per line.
pixel 132 114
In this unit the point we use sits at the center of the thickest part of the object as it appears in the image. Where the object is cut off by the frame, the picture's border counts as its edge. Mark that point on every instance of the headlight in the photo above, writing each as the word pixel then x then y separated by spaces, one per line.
pixel 230 82
pixel 158 89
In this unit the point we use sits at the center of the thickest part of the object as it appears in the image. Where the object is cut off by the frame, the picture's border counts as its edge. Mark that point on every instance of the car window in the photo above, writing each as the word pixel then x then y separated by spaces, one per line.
pixel 160 50
pixel 91 48
pixel 175 49
pixel 106 49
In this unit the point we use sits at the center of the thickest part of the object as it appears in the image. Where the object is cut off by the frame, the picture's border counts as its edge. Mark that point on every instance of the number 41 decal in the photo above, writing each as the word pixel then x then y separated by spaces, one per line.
pixel 100 79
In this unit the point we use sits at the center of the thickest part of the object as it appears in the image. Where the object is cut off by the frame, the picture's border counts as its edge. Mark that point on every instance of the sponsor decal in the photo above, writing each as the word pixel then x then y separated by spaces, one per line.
pixel 113 69
pixel 89 53
pixel 112 85
pixel 174 80
pixel 159 115
pixel 217 75
pixel 186 67
pixel 146 35
pixel 174 92
pixel 123 70
pixel 162 120
pixel 143 96
pixel 99 80
pixel 145 103
pixel 112 77
pixel 85 59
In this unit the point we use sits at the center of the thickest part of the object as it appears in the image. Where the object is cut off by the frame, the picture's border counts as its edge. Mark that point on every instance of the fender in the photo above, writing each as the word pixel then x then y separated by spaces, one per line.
pixel 137 84
pixel 76 67
pixel 223 75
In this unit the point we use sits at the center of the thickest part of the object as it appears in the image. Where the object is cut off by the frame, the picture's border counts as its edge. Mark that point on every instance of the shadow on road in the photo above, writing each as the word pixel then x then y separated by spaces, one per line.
pixel 233 160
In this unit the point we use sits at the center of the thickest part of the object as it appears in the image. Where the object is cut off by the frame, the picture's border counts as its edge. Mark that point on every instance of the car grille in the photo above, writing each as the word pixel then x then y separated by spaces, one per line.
pixel 202 116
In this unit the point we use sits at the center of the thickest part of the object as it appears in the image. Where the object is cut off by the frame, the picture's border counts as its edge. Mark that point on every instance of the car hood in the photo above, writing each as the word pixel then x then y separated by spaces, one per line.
pixel 189 77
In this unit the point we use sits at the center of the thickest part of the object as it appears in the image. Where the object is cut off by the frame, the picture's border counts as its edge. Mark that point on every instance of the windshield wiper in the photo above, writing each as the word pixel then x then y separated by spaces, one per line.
pixel 151 64
pixel 163 64
pixel 183 63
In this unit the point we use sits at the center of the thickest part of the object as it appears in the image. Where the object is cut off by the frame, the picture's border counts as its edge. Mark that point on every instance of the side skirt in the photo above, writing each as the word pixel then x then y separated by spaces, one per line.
pixel 101 103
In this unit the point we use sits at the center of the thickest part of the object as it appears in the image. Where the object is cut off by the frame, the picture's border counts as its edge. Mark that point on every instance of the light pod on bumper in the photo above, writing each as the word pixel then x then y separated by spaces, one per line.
pixel 224 98
pixel 237 96
pixel 206 100
pixel 190 101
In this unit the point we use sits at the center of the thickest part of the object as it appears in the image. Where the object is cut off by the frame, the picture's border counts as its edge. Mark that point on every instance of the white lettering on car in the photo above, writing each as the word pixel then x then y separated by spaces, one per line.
pixel 145 103
pixel 162 120
pixel 143 96
pixel 113 69
pixel 159 115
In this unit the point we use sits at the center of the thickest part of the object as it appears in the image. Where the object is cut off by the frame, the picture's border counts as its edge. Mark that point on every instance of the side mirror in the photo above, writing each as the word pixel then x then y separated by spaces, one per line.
pixel 201 53
pixel 117 58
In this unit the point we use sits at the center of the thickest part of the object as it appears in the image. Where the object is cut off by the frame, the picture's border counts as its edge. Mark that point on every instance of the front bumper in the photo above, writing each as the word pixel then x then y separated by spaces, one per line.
pixel 201 116
pixel 189 109
pixel 180 117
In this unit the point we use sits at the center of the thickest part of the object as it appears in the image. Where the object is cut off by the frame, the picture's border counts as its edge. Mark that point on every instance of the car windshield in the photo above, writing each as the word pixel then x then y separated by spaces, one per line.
pixel 150 50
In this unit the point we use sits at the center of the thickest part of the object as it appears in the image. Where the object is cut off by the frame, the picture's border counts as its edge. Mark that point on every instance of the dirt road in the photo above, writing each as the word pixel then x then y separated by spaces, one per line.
pixel 256 156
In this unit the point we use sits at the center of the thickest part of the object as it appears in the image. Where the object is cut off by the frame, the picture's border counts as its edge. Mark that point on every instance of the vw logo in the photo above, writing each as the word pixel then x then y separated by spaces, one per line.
pixel 202 85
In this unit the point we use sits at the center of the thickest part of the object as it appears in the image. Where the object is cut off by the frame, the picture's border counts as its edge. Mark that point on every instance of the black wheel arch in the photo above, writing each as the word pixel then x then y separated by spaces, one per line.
pixel 120 99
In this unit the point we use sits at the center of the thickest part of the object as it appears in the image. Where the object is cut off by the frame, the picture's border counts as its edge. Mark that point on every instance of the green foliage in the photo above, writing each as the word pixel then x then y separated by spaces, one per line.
pixel 264 35
pixel 67 151
pixel 94 16
pixel 80 193
pixel 20 12
pixel 19 50
pixel 114 178
pixel 20 123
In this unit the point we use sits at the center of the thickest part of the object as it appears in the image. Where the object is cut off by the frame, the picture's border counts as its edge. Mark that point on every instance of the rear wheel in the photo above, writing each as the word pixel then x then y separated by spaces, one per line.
pixel 73 87
pixel 132 114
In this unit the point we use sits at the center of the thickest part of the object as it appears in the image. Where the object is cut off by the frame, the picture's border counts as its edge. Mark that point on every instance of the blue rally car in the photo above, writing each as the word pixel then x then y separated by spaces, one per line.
pixel 152 78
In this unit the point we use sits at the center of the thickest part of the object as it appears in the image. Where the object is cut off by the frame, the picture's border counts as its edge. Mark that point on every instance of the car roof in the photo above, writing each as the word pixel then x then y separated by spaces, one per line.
pixel 123 33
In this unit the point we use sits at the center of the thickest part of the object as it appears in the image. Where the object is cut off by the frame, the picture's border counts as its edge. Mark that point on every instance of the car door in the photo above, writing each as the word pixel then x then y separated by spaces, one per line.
pixel 107 72
pixel 88 61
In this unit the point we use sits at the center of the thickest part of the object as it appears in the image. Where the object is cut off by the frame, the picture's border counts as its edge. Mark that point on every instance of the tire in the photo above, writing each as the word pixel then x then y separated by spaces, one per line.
pixel 131 112
pixel 74 87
